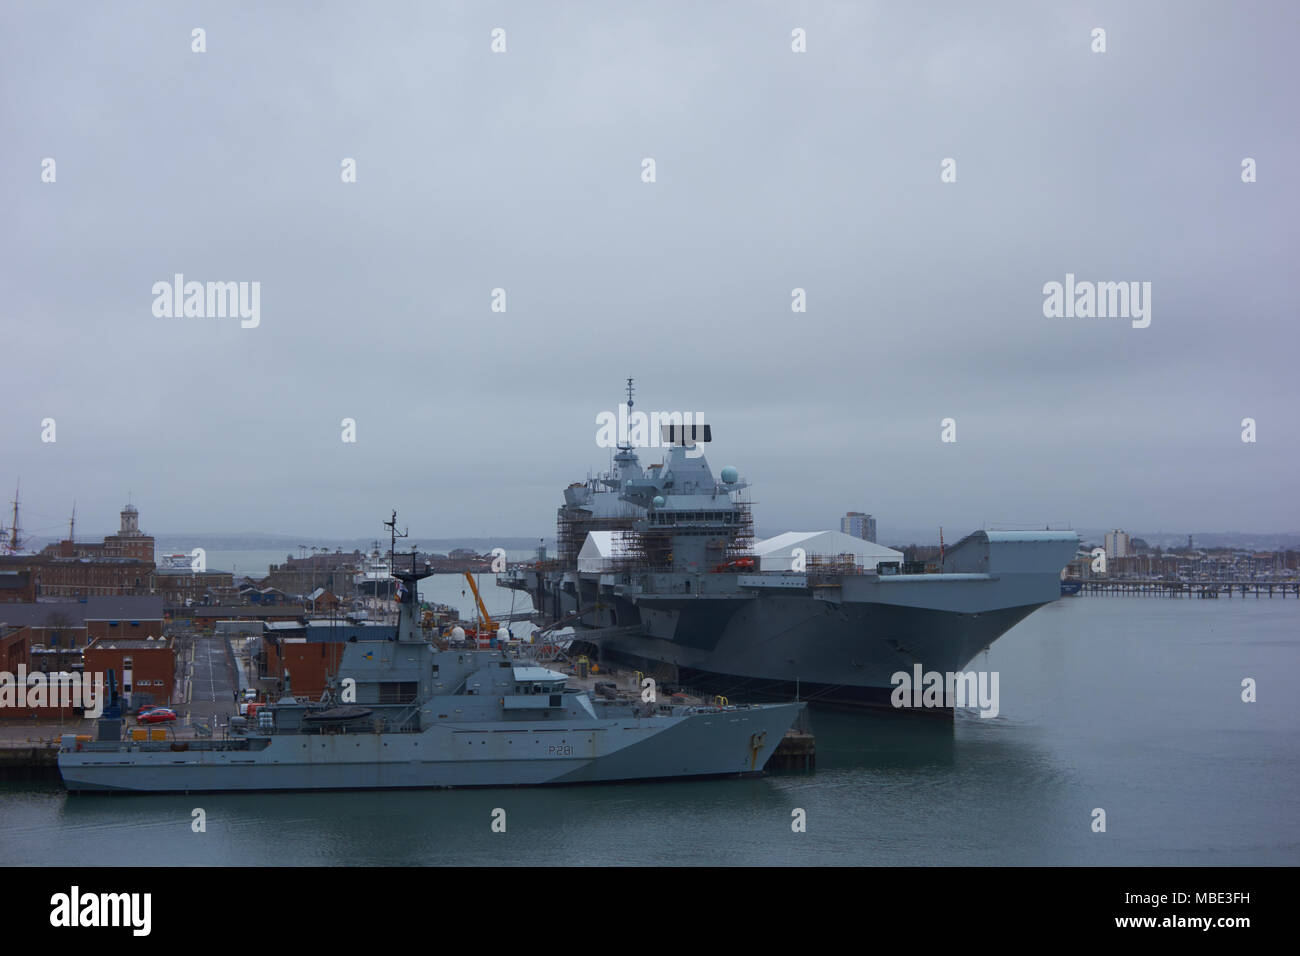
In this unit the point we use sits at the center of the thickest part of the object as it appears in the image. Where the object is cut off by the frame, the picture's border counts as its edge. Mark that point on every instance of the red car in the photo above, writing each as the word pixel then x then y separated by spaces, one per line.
pixel 156 715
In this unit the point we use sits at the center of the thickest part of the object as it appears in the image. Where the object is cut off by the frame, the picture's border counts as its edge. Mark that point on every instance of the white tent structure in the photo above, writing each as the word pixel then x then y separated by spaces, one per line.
pixel 598 552
pixel 777 554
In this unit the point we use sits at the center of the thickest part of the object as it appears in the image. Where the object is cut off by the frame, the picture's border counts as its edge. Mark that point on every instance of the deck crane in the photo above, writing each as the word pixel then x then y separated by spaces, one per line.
pixel 487 625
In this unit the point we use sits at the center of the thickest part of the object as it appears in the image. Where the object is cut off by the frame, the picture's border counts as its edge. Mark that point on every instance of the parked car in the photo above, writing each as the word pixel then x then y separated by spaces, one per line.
pixel 156 715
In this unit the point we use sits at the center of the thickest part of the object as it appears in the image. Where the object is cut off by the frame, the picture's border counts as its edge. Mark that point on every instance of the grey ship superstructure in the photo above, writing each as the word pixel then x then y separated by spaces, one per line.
pixel 682 596
pixel 403 713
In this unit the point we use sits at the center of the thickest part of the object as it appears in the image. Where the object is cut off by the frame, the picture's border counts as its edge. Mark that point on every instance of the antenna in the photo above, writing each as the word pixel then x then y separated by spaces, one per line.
pixel 630 403
pixel 393 535
pixel 72 525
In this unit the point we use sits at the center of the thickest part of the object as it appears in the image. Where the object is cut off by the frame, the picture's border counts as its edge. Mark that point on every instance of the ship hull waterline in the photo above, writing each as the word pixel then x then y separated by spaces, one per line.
pixel 836 650
pixel 726 743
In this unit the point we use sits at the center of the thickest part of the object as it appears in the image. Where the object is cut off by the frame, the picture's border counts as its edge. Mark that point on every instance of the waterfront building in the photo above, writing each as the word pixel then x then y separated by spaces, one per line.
pixel 1117 544
pixel 144 667
pixel 74 624
pixel 859 525
pixel 17 587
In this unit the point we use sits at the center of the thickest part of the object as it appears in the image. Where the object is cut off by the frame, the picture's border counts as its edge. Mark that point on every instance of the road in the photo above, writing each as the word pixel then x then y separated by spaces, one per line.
pixel 210 683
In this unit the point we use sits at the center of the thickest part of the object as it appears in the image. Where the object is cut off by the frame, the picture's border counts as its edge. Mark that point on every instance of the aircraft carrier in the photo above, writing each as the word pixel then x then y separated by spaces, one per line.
pixel 679 592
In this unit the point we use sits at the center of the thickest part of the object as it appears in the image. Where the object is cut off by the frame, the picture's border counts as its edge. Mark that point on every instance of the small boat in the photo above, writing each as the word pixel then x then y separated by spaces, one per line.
pixel 334 715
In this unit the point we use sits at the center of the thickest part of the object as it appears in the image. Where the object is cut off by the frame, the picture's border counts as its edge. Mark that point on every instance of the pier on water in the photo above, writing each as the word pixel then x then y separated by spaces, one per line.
pixel 1196 589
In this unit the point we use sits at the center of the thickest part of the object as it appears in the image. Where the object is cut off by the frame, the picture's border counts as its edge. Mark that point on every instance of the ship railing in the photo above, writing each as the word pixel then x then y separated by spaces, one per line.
pixel 404 720
pixel 823 570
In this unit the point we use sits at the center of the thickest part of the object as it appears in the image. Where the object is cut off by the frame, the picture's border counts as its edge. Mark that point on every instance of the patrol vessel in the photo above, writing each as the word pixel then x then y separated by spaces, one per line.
pixel 680 591
pixel 403 713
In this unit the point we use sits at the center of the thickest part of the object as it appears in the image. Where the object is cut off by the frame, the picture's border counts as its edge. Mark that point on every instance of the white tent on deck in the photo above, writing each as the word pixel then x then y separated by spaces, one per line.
pixel 598 552
pixel 777 554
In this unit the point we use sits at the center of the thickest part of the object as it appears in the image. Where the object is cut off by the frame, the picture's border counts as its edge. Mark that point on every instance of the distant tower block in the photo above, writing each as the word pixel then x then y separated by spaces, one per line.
pixel 859 525
pixel 1117 544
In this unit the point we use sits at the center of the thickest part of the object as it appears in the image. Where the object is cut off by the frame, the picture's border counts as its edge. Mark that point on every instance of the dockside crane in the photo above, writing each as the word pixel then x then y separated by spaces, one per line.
pixel 487 625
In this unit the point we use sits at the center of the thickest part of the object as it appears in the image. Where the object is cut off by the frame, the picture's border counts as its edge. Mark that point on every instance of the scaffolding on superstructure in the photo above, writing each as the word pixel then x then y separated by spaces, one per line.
pixel 650 548
pixel 571 528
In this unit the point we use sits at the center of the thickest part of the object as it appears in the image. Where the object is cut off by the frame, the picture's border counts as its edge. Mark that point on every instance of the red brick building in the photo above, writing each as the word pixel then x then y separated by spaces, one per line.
pixel 17 587
pixel 178 587
pixel 141 666
pixel 83 577
pixel 14 648
pixel 122 563
pixel 18 659
pixel 130 541
pixel 73 624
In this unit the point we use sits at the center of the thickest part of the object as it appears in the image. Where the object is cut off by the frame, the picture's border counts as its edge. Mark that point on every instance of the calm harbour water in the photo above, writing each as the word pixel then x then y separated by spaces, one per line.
pixel 1128 704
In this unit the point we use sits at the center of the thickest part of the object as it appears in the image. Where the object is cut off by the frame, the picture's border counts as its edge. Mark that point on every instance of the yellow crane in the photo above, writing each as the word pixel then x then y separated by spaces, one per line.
pixel 488 625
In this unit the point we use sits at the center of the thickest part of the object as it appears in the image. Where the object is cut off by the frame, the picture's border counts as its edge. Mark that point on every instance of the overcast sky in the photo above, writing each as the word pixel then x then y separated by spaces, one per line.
pixel 775 170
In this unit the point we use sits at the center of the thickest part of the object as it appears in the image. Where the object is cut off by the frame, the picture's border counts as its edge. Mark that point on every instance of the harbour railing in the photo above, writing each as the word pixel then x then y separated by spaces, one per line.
pixel 1156 587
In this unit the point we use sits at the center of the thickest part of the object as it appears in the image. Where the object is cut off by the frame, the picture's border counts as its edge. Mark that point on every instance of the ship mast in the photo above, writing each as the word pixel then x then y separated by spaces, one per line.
pixel 630 390
pixel 14 539
pixel 407 589
pixel 393 535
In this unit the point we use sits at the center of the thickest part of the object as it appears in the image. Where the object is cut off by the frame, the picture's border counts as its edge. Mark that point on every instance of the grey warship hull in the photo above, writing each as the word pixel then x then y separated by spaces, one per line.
pixel 407 711
pixel 733 742
pixel 833 642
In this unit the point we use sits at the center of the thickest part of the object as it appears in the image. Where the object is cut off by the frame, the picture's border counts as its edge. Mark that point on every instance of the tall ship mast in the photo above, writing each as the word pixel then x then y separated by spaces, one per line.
pixel 11 541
